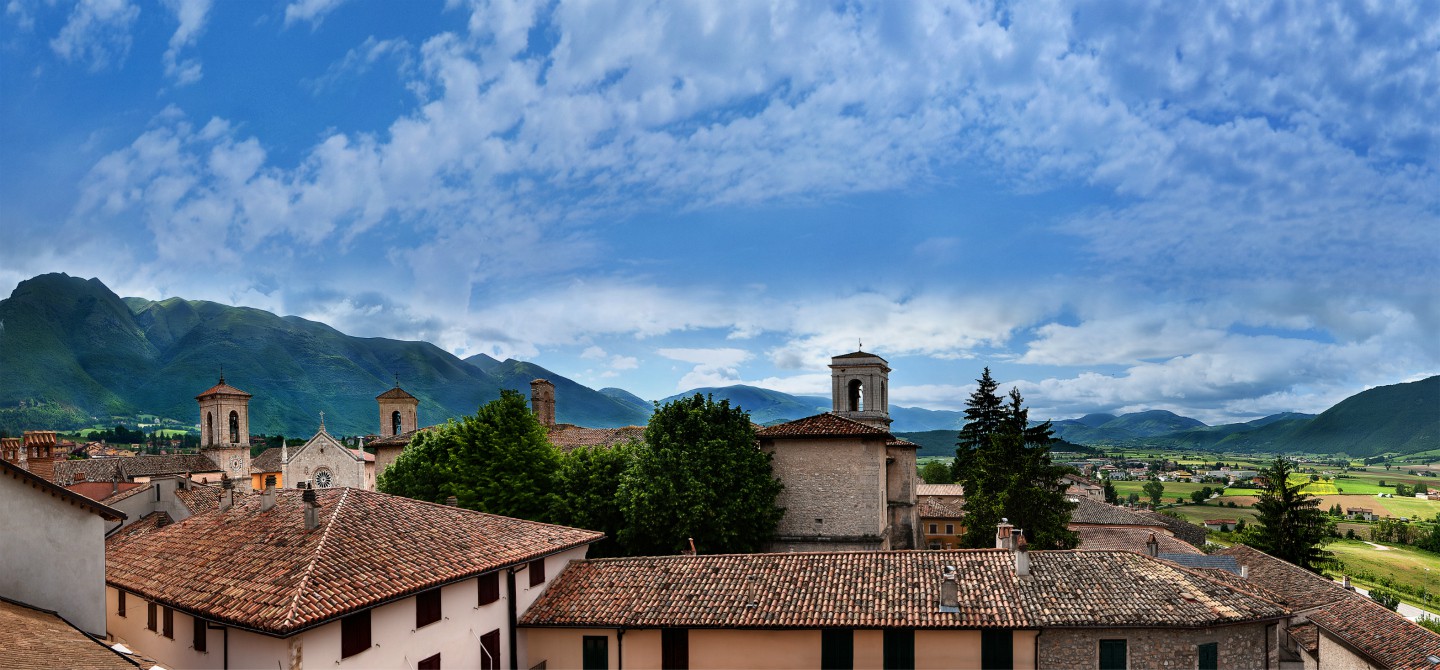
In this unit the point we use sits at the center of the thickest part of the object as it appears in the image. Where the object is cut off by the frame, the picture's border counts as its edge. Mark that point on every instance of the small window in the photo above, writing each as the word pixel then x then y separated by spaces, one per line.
pixel 490 650
pixel 169 623
pixel 949 529
pixel 152 618
pixel 899 652
pixel 837 649
pixel 934 528
pixel 489 588
pixel 537 572
pixel 427 608
pixel 1209 654
pixel 120 602
pixel 997 650
pixel 432 663
pixel 200 641
pixel 675 648
pixel 1113 655
pixel 595 652
pixel 354 634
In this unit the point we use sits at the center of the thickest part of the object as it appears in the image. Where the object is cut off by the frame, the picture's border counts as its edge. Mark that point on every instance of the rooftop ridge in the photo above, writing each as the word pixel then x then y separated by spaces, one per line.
pixel 304 581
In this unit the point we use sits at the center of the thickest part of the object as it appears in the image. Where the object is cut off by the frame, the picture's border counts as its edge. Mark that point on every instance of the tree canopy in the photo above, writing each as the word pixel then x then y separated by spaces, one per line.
pixel 1289 524
pixel 1005 466
pixel 497 461
pixel 700 474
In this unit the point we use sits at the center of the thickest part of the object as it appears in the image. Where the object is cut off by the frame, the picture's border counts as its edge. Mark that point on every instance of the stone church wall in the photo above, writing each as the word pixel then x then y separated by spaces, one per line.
pixel 834 488
pixel 322 452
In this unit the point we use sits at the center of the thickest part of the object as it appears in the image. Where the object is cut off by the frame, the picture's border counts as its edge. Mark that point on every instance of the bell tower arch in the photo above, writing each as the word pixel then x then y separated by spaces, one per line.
pixel 859 388
pixel 225 430
pixel 399 411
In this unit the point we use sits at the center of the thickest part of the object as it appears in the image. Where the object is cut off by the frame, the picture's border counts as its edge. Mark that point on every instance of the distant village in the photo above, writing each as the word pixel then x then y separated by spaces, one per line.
pixel 292 558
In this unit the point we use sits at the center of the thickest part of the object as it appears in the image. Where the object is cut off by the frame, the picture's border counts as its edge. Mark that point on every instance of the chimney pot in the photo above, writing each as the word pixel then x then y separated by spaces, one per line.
pixel 312 509
pixel 1022 555
pixel 1244 572
pixel 227 492
pixel 1004 535
pixel 267 499
pixel 949 590
pixel 452 501
pixel 1152 546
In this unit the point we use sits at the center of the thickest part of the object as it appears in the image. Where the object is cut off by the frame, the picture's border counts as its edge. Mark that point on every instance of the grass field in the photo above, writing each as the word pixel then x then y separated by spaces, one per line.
pixel 1173 490
pixel 1404 565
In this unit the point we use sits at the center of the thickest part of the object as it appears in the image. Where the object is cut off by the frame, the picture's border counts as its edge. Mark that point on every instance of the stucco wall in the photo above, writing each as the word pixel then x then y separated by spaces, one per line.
pixel 1336 656
pixel 840 481
pixel 1240 646
pixel 52 554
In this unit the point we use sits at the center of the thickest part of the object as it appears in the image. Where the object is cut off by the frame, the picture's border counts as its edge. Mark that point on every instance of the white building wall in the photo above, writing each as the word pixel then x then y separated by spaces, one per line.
pixel 52 554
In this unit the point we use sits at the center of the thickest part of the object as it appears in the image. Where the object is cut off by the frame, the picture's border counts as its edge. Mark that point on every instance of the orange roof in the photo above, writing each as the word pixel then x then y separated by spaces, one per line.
pixel 223 389
pixel 34 638
pixel 1130 539
pixel 264 571
pixel 46 486
pixel 396 393
pixel 1388 638
pixel 567 437
pixel 822 425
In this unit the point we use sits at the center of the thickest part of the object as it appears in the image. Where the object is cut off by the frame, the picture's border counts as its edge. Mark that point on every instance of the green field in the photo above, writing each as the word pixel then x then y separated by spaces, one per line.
pixel 1403 564
pixel 1197 514
pixel 1173 490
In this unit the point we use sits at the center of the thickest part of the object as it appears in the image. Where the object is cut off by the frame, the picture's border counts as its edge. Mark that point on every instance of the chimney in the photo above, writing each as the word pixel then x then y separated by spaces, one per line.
pixel 1152 547
pixel 1022 555
pixel 227 492
pixel 267 497
pixel 452 501
pixel 1244 572
pixel 78 477
pixel 542 402
pixel 312 509
pixel 1004 535
pixel 949 591
pixel 1346 584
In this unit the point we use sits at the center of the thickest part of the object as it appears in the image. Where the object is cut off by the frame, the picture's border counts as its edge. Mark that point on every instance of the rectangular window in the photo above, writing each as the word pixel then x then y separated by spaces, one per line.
pixel 837 649
pixel 675 648
pixel 489 588
pixel 427 608
pixel 934 528
pixel 595 652
pixel 490 650
pixel 169 623
pixel 1209 656
pixel 997 649
pixel 354 634
pixel 537 572
pixel 1113 655
pixel 152 618
pixel 899 649
pixel 120 602
pixel 949 529
pixel 432 663
pixel 200 641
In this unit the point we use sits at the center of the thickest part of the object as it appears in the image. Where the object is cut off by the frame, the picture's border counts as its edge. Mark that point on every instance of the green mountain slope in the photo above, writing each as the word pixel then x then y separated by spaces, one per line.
pixel 629 399
pixel 1403 418
pixel 574 403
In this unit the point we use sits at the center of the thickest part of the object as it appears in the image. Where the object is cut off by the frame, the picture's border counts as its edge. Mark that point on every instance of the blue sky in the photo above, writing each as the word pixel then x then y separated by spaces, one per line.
pixel 1222 209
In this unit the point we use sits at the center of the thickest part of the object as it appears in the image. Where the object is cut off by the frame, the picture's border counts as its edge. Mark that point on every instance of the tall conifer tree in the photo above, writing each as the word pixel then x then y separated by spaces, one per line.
pixel 1290 525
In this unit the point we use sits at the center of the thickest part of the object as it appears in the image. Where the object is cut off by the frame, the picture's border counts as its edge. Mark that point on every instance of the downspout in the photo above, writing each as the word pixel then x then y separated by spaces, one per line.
pixel 510 610
pixel 620 648
pixel 1036 659
pixel 226 643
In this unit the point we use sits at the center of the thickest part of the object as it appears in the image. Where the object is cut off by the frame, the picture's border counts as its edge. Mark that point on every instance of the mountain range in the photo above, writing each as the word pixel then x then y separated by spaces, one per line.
pixel 72 353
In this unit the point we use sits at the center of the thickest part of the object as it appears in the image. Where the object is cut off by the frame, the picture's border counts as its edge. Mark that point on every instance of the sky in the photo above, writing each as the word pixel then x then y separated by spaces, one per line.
pixel 1223 209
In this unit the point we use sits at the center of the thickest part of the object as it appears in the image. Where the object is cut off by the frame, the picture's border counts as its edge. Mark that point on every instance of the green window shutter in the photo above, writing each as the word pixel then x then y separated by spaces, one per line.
pixel 997 650
pixel 595 652
pixel 1112 655
pixel 837 649
pixel 1210 656
pixel 899 649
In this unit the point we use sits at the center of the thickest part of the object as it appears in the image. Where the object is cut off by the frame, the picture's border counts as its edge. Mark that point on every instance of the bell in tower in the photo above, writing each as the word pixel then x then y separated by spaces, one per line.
pixel 859 388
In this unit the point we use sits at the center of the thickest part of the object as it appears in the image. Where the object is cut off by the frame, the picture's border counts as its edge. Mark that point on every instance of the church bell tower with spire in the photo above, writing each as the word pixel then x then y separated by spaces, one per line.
pixel 225 430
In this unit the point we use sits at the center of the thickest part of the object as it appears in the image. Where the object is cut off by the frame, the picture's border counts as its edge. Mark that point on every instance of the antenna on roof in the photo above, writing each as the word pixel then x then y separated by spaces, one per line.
pixel 222 374
pixel 859 344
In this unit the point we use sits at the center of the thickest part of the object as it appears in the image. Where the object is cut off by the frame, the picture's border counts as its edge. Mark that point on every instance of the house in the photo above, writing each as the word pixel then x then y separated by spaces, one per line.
pixel 327 577
pixel 31 637
pixel 1102 526
pixel 322 462
pixel 1332 626
pixel 1004 607
pixel 1360 513
pixel 1220 524
pixel 940 508
pixel 1083 487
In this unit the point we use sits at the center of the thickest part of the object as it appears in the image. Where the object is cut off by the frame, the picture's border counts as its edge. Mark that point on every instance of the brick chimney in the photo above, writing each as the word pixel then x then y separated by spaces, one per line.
pixel 1005 535
pixel 312 509
pixel 1152 546
pixel 542 401
pixel 41 447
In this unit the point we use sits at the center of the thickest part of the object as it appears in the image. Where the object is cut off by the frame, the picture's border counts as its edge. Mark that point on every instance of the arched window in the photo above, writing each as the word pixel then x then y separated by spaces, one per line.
pixel 209 429
pixel 234 427
pixel 395 423
pixel 857 401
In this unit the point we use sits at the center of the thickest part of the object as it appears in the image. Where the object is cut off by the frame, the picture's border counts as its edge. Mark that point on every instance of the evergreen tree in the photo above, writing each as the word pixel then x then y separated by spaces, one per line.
pixel 1289 524
pixel 497 461
pixel 1005 466
pixel 1108 489
pixel 700 474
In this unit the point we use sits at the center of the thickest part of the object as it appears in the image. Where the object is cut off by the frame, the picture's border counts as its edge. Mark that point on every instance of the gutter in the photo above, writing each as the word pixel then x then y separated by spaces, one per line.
pixel 510 614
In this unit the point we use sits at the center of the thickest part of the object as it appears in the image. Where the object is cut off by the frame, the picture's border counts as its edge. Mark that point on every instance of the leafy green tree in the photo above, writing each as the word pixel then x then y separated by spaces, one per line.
pixel 1289 524
pixel 1108 489
pixel 1005 466
pixel 589 483
pixel 936 472
pixel 1154 489
pixel 1385 598
pixel 700 474
pixel 497 461
pixel 1198 497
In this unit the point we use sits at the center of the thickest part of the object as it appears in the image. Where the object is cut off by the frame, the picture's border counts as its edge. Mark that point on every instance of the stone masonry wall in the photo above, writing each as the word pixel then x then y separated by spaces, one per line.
pixel 839 481
pixel 1241 647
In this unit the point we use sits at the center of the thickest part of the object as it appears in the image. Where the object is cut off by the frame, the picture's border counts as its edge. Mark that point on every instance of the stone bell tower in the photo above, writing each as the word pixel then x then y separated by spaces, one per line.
pixel 398 411
pixel 859 388
pixel 225 430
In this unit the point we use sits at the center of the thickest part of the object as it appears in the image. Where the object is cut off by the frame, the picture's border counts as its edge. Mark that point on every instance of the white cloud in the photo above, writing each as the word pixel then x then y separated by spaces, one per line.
pixel 97 33
pixel 192 15
pixel 593 352
pixel 313 11
pixel 624 363
pixel 720 358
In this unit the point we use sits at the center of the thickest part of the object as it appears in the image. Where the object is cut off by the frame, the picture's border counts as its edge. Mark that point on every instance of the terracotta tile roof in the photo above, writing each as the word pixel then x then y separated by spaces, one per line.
pixel 362 455
pixel 895 588
pixel 1307 636
pixel 1088 511
pixel 263 571
pixel 857 354
pixel 107 469
pixel 41 639
pixel 567 437
pixel 222 389
pixel 267 461
pixel 821 425
pixel 940 507
pixel 1390 639
pixel 104 492
pixel 1189 532
pixel 939 490
pixel 1193 559
pixel 400 440
pixel 199 498
pixel 45 486
pixel 396 393
pixel 1110 538
pixel 1297 588
pixel 902 443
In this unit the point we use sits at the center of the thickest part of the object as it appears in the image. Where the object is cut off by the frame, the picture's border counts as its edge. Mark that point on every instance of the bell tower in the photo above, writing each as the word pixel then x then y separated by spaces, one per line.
pixel 859 388
pixel 225 430
pixel 398 411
